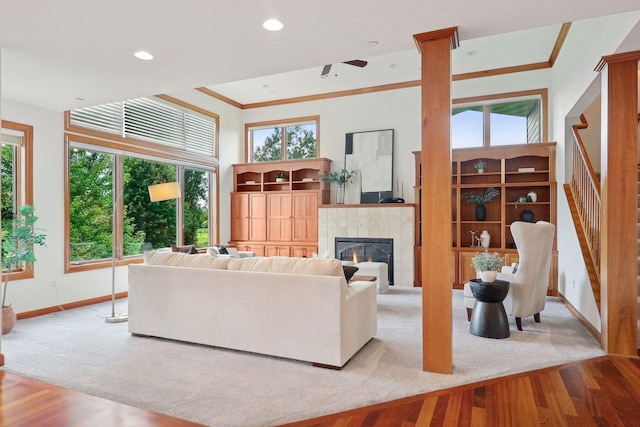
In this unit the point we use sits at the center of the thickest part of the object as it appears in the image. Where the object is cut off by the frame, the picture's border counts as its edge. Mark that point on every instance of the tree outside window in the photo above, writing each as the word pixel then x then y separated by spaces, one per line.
pixel 145 224
pixel 267 142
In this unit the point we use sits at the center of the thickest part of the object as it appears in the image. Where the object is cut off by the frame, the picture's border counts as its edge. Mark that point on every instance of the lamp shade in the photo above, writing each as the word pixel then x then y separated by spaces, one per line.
pixel 164 191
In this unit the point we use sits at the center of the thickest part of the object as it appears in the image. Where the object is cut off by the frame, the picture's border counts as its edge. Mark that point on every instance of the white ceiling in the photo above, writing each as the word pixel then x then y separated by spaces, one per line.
pixel 54 52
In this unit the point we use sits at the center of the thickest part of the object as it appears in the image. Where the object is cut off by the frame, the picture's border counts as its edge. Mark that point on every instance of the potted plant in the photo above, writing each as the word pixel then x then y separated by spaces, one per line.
pixel 480 166
pixel 481 211
pixel 340 178
pixel 281 177
pixel 488 264
pixel 17 248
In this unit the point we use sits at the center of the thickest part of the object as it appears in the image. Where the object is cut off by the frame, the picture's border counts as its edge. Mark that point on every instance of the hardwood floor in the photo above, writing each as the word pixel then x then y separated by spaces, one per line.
pixel 25 402
pixel 596 392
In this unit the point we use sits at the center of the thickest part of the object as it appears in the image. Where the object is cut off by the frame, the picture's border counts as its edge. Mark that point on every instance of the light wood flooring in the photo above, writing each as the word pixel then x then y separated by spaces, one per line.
pixel 598 392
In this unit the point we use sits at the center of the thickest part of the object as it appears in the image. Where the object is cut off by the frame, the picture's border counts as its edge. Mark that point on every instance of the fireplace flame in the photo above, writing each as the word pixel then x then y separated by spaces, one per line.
pixel 369 259
pixel 355 258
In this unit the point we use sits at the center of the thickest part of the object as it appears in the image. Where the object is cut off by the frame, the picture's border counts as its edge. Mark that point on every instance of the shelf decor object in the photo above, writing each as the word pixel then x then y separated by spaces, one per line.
pixel 480 199
pixel 480 166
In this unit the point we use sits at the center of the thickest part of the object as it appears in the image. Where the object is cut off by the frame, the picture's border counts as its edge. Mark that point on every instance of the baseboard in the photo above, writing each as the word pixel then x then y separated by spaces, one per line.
pixel 68 306
pixel 593 331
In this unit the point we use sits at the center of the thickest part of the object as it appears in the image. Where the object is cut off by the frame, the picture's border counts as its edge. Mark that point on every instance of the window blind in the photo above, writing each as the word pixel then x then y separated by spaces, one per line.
pixel 152 120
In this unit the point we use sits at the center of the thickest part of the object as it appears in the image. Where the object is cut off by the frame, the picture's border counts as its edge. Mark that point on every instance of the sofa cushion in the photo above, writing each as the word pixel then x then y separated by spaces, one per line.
pixel 250 264
pixel 292 265
pixel 178 259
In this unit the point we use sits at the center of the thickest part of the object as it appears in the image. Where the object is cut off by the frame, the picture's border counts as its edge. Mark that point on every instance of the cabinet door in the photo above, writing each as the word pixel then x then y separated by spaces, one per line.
pixel 257 216
pixel 248 216
pixel 279 217
pixel 239 216
pixel 305 217
pixel 274 250
pixel 467 272
pixel 303 251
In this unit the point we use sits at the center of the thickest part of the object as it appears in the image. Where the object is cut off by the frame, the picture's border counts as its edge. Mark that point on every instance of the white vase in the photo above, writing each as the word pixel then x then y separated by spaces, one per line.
pixel 485 239
pixel 340 194
pixel 533 196
pixel 488 276
pixel 480 170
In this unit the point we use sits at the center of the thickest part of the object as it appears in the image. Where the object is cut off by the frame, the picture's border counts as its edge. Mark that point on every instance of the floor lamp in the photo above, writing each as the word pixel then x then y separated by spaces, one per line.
pixel 157 193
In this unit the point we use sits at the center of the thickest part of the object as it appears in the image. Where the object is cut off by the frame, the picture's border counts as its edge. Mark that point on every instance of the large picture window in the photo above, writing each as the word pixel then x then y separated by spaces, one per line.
pixel 107 172
pixel 16 180
pixel 499 120
pixel 283 140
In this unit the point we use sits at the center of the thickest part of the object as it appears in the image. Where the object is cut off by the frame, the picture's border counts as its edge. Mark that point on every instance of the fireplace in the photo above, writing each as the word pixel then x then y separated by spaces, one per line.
pixel 361 249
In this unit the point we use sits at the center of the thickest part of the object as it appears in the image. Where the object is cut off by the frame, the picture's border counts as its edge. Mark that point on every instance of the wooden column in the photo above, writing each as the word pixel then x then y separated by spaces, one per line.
pixel 619 194
pixel 435 48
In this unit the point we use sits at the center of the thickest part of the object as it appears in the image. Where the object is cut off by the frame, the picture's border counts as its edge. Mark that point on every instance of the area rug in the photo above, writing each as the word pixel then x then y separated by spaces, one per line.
pixel 76 349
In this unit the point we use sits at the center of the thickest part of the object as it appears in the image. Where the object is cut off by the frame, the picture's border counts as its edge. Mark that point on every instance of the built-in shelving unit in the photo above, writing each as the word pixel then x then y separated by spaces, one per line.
pixel 515 171
pixel 274 206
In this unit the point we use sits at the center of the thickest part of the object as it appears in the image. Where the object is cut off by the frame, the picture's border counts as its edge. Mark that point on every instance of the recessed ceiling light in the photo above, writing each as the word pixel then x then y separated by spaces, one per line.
pixel 394 66
pixel 272 25
pixel 144 55
pixel 372 43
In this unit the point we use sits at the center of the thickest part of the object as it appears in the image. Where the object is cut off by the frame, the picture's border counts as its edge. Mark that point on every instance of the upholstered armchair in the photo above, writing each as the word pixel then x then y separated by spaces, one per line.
pixel 528 290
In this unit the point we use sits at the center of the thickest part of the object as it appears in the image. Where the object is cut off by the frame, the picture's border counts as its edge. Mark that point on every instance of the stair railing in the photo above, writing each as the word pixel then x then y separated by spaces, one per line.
pixel 586 189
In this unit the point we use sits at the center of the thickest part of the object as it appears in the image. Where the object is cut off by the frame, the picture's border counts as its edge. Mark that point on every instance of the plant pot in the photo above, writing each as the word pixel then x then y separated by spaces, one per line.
pixel 488 276
pixel 8 319
pixel 481 212
pixel 480 170
pixel 280 179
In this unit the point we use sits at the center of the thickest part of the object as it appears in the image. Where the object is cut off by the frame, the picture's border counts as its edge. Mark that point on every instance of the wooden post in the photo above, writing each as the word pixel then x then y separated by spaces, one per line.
pixel 619 194
pixel 435 48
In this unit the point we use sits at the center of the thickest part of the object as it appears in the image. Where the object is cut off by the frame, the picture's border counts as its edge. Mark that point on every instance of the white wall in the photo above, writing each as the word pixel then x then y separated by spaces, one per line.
pixel 572 75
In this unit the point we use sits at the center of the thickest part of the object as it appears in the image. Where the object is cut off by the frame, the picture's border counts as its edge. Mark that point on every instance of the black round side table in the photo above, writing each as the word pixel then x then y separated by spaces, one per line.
pixel 489 319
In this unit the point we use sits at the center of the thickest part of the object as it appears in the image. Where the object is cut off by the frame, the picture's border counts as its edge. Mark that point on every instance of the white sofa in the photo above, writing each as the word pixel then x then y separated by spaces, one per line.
pixel 298 308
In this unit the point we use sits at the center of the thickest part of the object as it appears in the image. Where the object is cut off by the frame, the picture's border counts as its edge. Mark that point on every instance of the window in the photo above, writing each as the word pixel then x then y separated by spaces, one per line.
pixel 153 120
pixel 115 169
pixel 296 138
pixel 501 120
pixel 16 179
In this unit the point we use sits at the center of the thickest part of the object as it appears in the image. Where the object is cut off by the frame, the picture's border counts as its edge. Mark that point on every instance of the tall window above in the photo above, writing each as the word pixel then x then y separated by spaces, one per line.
pixel 16 178
pixel 498 121
pixel 283 140
pixel 152 120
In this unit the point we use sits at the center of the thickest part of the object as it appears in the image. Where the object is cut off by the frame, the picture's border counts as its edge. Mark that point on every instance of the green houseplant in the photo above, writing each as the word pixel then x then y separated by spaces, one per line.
pixel 480 199
pixel 480 166
pixel 340 178
pixel 488 264
pixel 17 249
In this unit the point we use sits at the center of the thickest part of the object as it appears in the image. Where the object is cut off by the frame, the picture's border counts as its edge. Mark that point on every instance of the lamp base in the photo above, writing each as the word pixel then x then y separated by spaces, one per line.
pixel 117 318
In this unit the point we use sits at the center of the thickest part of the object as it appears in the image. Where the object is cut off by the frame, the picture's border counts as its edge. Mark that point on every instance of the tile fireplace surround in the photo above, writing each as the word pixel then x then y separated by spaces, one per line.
pixel 390 221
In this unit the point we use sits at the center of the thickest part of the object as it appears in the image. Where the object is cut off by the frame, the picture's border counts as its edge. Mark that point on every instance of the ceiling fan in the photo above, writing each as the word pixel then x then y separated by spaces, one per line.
pixel 355 62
